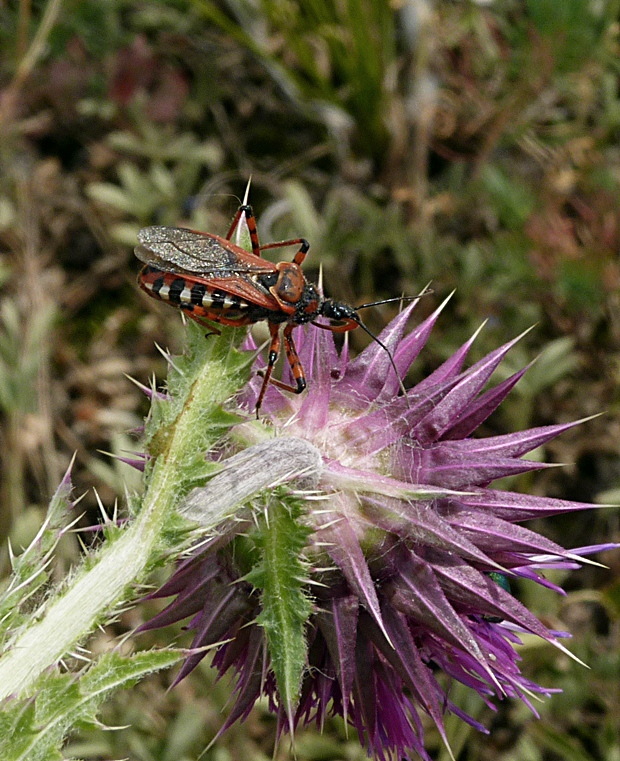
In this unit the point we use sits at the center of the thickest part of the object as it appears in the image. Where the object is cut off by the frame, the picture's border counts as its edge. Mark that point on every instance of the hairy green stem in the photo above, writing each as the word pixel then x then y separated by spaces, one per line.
pixel 89 598
pixel 73 616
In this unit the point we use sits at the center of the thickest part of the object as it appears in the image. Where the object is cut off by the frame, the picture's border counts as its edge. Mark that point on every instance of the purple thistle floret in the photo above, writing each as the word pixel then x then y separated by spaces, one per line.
pixel 404 587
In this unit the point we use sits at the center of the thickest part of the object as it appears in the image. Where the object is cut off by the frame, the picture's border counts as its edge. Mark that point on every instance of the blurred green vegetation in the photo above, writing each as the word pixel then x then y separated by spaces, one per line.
pixel 471 144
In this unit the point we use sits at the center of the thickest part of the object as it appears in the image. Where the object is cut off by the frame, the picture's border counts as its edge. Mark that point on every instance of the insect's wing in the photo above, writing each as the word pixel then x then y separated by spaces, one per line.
pixel 245 289
pixel 176 249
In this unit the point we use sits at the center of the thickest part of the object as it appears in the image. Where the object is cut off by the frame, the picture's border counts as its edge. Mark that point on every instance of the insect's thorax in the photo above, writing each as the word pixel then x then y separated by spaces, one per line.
pixel 307 307
pixel 299 300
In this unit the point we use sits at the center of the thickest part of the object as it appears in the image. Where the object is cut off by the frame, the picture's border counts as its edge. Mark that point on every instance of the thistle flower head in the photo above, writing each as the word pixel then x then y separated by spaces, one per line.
pixel 354 598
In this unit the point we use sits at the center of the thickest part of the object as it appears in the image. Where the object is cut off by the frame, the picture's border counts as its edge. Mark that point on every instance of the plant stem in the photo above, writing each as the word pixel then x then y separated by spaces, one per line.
pixel 90 597
pixel 74 615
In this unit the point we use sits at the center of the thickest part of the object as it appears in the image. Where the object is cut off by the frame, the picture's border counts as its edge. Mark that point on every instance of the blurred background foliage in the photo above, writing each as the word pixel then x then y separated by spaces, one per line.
pixel 471 144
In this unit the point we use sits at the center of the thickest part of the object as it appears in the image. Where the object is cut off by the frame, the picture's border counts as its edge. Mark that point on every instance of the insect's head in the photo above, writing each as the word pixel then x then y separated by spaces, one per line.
pixel 338 310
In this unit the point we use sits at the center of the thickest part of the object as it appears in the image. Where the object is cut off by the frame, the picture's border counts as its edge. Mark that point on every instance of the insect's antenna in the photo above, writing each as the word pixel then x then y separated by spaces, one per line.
pixel 387 351
pixel 424 292
pixel 387 301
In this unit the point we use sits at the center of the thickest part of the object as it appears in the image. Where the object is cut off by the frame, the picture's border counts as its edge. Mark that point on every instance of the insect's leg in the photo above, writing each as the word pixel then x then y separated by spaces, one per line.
pixel 293 360
pixel 250 221
pixel 301 242
pixel 205 323
pixel 274 351
pixel 205 318
pixel 348 324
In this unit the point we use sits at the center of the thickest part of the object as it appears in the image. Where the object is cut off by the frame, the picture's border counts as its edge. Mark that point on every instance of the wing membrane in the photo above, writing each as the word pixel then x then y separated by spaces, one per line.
pixel 176 249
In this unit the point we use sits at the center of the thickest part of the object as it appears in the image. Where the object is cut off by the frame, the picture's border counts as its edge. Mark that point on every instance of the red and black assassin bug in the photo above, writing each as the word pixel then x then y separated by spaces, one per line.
pixel 213 280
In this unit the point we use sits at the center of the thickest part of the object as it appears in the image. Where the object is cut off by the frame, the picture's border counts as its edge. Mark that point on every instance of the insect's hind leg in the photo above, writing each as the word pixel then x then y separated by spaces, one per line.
pixel 299 257
pixel 250 221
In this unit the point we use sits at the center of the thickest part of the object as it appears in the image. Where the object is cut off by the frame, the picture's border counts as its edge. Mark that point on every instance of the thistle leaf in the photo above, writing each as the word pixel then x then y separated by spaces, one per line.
pixel 281 576
pixel 30 567
pixel 35 730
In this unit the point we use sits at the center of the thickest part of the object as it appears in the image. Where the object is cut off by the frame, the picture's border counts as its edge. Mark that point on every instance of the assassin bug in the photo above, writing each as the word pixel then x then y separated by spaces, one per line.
pixel 212 280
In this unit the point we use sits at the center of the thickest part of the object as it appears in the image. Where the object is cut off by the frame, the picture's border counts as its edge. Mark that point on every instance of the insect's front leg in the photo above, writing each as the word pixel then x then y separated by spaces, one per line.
pixel 347 325
pixel 294 362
